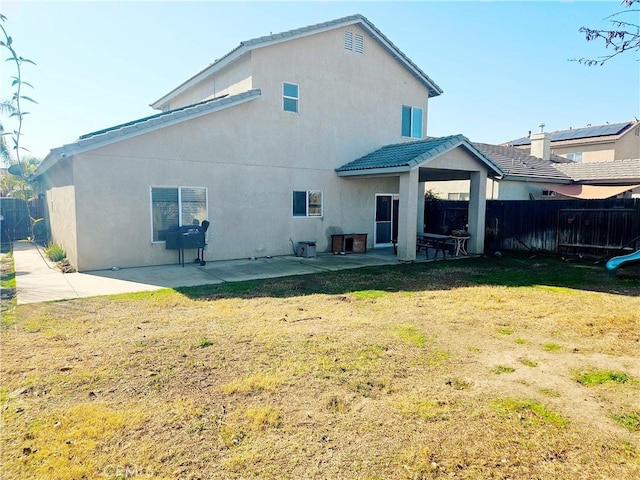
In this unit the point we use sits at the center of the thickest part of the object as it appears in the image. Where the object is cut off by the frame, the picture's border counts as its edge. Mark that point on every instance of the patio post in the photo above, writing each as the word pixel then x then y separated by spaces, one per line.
pixel 477 211
pixel 407 214
pixel 422 188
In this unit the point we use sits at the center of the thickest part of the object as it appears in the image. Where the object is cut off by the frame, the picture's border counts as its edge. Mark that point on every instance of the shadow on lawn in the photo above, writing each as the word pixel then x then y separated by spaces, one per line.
pixel 510 271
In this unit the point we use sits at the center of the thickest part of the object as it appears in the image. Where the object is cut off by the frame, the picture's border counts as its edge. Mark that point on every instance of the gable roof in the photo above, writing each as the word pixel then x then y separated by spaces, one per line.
pixel 518 165
pixel 403 157
pixel 613 129
pixel 134 128
pixel 249 45
pixel 622 172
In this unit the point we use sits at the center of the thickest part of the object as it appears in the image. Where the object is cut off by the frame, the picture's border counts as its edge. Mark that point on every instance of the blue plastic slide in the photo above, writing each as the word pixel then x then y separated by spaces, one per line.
pixel 613 264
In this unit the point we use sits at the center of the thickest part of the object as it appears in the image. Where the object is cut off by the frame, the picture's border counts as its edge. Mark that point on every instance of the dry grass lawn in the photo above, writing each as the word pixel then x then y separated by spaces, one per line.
pixel 519 368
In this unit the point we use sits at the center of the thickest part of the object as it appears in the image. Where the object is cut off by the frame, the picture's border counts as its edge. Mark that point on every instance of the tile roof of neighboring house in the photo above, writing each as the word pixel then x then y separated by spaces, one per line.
pixel 517 164
pixel 248 45
pixel 402 157
pixel 611 172
pixel 143 125
pixel 578 133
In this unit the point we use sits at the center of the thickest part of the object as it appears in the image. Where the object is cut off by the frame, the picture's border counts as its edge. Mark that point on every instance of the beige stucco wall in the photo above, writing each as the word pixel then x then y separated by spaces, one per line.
pixel 60 200
pixel 595 152
pixel 496 190
pixel 252 157
pixel 61 219
pixel 629 145
pixel 232 79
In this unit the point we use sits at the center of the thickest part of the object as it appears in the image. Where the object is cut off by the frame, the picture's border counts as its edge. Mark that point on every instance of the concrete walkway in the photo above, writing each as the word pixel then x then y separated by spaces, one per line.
pixel 37 279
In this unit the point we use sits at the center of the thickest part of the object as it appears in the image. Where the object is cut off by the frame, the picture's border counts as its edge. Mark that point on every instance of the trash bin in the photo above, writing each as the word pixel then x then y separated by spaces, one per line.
pixel 306 249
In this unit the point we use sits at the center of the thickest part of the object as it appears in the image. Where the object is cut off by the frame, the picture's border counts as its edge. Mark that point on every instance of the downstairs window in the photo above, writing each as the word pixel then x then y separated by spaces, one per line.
pixel 175 206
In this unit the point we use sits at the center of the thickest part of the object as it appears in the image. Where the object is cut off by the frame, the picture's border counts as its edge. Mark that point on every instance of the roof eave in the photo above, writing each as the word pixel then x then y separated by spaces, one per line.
pixel 535 179
pixel 205 72
pixel 373 172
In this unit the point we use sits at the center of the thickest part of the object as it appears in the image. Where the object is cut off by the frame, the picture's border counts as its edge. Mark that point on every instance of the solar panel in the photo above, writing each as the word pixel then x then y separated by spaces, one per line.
pixel 587 132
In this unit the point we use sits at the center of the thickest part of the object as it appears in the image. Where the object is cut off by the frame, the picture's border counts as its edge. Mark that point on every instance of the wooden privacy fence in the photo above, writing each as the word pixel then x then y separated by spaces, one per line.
pixel 568 227
pixel 15 223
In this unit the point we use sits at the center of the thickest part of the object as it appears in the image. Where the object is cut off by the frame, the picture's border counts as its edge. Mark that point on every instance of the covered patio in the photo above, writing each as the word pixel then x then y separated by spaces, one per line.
pixel 433 159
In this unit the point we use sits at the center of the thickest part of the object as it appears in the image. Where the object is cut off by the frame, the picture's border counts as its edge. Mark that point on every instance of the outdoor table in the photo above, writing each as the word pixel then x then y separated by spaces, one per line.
pixel 435 240
pixel 461 244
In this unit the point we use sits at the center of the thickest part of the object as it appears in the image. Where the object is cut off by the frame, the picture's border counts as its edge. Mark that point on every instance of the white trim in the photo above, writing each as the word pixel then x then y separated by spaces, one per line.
pixel 288 97
pixel 394 196
pixel 306 206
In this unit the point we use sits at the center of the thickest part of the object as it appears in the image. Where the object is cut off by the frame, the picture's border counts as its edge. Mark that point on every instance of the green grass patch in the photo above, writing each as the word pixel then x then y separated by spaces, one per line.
pixel 369 294
pixel 502 369
pixel 505 331
pixel 598 377
pixel 205 343
pixel 630 421
pixel 551 347
pixel 528 363
pixel 411 335
pixel 529 411
pixel 520 341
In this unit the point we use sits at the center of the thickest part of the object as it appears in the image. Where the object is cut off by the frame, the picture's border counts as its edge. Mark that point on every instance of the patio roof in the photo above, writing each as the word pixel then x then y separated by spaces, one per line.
pixel 403 157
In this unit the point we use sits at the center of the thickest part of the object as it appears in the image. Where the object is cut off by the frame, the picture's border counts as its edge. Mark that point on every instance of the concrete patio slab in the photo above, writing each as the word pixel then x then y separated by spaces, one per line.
pixel 37 279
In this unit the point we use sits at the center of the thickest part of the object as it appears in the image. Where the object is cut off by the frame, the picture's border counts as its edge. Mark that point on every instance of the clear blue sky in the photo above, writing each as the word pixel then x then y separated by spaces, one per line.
pixel 503 66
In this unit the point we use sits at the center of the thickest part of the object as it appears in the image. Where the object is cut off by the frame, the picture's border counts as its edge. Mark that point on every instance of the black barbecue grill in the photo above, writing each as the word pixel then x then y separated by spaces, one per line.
pixel 188 237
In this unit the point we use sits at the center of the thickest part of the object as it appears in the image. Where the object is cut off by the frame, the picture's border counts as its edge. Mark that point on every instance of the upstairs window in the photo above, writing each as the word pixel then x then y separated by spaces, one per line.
pixel 290 97
pixel 175 206
pixel 353 42
pixel 411 122
pixel 575 156
pixel 307 203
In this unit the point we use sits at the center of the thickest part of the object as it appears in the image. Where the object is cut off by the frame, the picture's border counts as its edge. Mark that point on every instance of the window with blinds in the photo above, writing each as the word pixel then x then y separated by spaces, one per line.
pixel 175 206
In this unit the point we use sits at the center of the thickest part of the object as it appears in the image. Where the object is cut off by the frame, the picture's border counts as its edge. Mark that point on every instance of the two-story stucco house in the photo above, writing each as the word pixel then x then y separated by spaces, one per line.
pixel 289 137
pixel 598 143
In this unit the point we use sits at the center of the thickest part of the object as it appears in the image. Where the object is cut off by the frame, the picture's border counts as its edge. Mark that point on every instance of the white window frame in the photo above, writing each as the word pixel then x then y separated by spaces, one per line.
pixel 412 116
pixel 575 156
pixel 180 212
pixel 289 97
pixel 307 204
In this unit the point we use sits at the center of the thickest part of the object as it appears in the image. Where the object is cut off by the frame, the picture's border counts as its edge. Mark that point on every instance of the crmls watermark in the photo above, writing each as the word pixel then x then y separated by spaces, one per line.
pixel 125 471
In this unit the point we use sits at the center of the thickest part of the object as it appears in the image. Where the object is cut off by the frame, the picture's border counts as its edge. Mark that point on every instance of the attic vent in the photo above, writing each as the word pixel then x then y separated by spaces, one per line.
pixel 359 44
pixel 353 42
pixel 348 41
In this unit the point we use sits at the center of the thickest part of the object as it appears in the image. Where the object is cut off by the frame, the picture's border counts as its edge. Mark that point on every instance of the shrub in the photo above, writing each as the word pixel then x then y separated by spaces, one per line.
pixel 55 252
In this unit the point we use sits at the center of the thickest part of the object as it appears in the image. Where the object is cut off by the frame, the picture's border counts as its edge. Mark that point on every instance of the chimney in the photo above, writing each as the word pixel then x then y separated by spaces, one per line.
pixel 541 144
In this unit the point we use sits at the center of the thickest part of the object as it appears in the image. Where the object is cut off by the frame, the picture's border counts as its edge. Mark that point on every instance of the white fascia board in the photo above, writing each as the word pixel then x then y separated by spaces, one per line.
pixel 535 179
pixel 374 172
pixel 202 74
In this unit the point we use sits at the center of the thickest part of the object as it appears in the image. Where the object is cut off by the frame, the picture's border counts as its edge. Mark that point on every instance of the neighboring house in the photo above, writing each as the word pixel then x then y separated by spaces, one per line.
pixel 618 177
pixel 523 174
pixel 268 144
pixel 535 172
pixel 617 141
